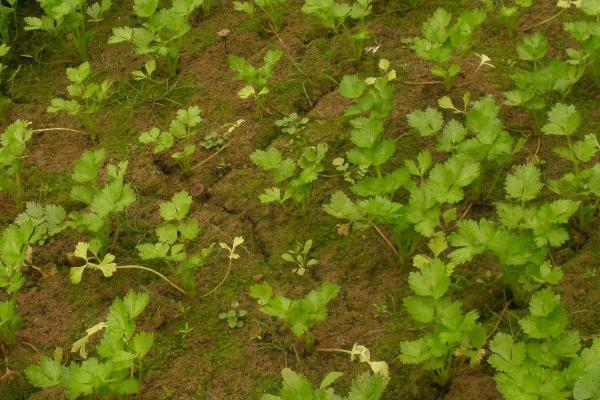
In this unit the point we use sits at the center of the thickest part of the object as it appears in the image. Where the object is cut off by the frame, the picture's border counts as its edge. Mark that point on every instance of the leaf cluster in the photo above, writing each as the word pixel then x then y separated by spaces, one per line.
pixel 118 356
pixel 183 128
pixel 548 362
pixel 452 333
pixel 162 31
pixel 299 315
pixel 256 79
pixel 445 43
pixel 297 175
pixel 296 386
pixel 175 235
pixel 105 200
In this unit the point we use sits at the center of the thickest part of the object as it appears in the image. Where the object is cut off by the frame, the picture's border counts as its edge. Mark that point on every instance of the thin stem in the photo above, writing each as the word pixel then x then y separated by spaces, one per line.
pixel 201 163
pixel 154 272
pixel 389 243
pixel 222 280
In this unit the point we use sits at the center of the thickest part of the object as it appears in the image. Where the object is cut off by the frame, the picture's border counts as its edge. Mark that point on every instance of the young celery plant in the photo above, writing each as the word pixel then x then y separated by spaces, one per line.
pixel 256 79
pixel 582 182
pixel 106 203
pixel 65 18
pixel 183 127
pixel 296 386
pixel 522 240
pixel 87 98
pixel 453 333
pixel 446 45
pixel 115 369
pixel 551 357
pixel 481 136
pixel 299 315
pixel 587 33
pixel 335 16
pixel 14 141
pixel 272 10
pixel 174 236
pixel 298 185
pixel 106 265
pixel 162 32
pixel 536 84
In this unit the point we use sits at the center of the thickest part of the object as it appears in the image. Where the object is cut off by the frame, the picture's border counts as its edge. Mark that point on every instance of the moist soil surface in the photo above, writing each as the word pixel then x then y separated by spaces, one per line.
pixel 195 354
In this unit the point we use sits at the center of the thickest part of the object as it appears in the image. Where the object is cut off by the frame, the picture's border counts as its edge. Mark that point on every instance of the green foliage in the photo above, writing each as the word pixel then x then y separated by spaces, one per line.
pixel 508 13
pixel 175 239
pixel 293 125
pixel 10 321
pixel 235 316
pixel 582 182
pixel 587 33
pixel 297 176
pixel 86 98
pixel 106 199
pixel 481 136
pixel 8 17
pixel 444 44
pixel 549 362
pixel 333 15
pixel 64 18
pixel 535 85
pixel 521 241
pixel 182 128
pixel 15 252
pixel 299 256
pixel 271 9
pixel 296 387
pixel 118 359
pixel 372 103
pixel 14 142
pixel 162 32
pixel 46 221
pixel 452 333
pixel 433 190
pixel 299 315
pixel 256 79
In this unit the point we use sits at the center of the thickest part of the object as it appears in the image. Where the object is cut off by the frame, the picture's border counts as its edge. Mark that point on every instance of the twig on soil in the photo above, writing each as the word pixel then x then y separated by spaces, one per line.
pixel 59 129
pixel 542 22
pixel 422 83
pixel 201 163
pixel 154 272
pixel 500 318
pixel 386 239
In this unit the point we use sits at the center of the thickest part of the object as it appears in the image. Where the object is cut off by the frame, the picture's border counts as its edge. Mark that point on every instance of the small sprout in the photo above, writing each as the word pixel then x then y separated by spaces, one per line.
pixel 293 125
pixel 299 256
pixel 213 140
pixel 234 316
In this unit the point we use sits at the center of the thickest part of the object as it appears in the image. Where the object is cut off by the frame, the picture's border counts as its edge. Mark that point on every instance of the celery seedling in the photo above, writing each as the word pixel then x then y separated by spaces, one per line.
pixel 116 369
pixel 300 315
pixel 86 97
pixel 183 128
pixel 174 237
pixel 14 142
pixel 69 17
pixel 446 45
pixel 105 203
pixel 161 33
pixel 256 79
pixel 296 386
pixel 272 9
pixel 453 333
pixel 582 182
pixel 298 185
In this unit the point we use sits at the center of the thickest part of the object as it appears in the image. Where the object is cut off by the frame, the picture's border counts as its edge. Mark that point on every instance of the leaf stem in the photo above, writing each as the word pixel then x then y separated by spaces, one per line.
pixel 154 272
